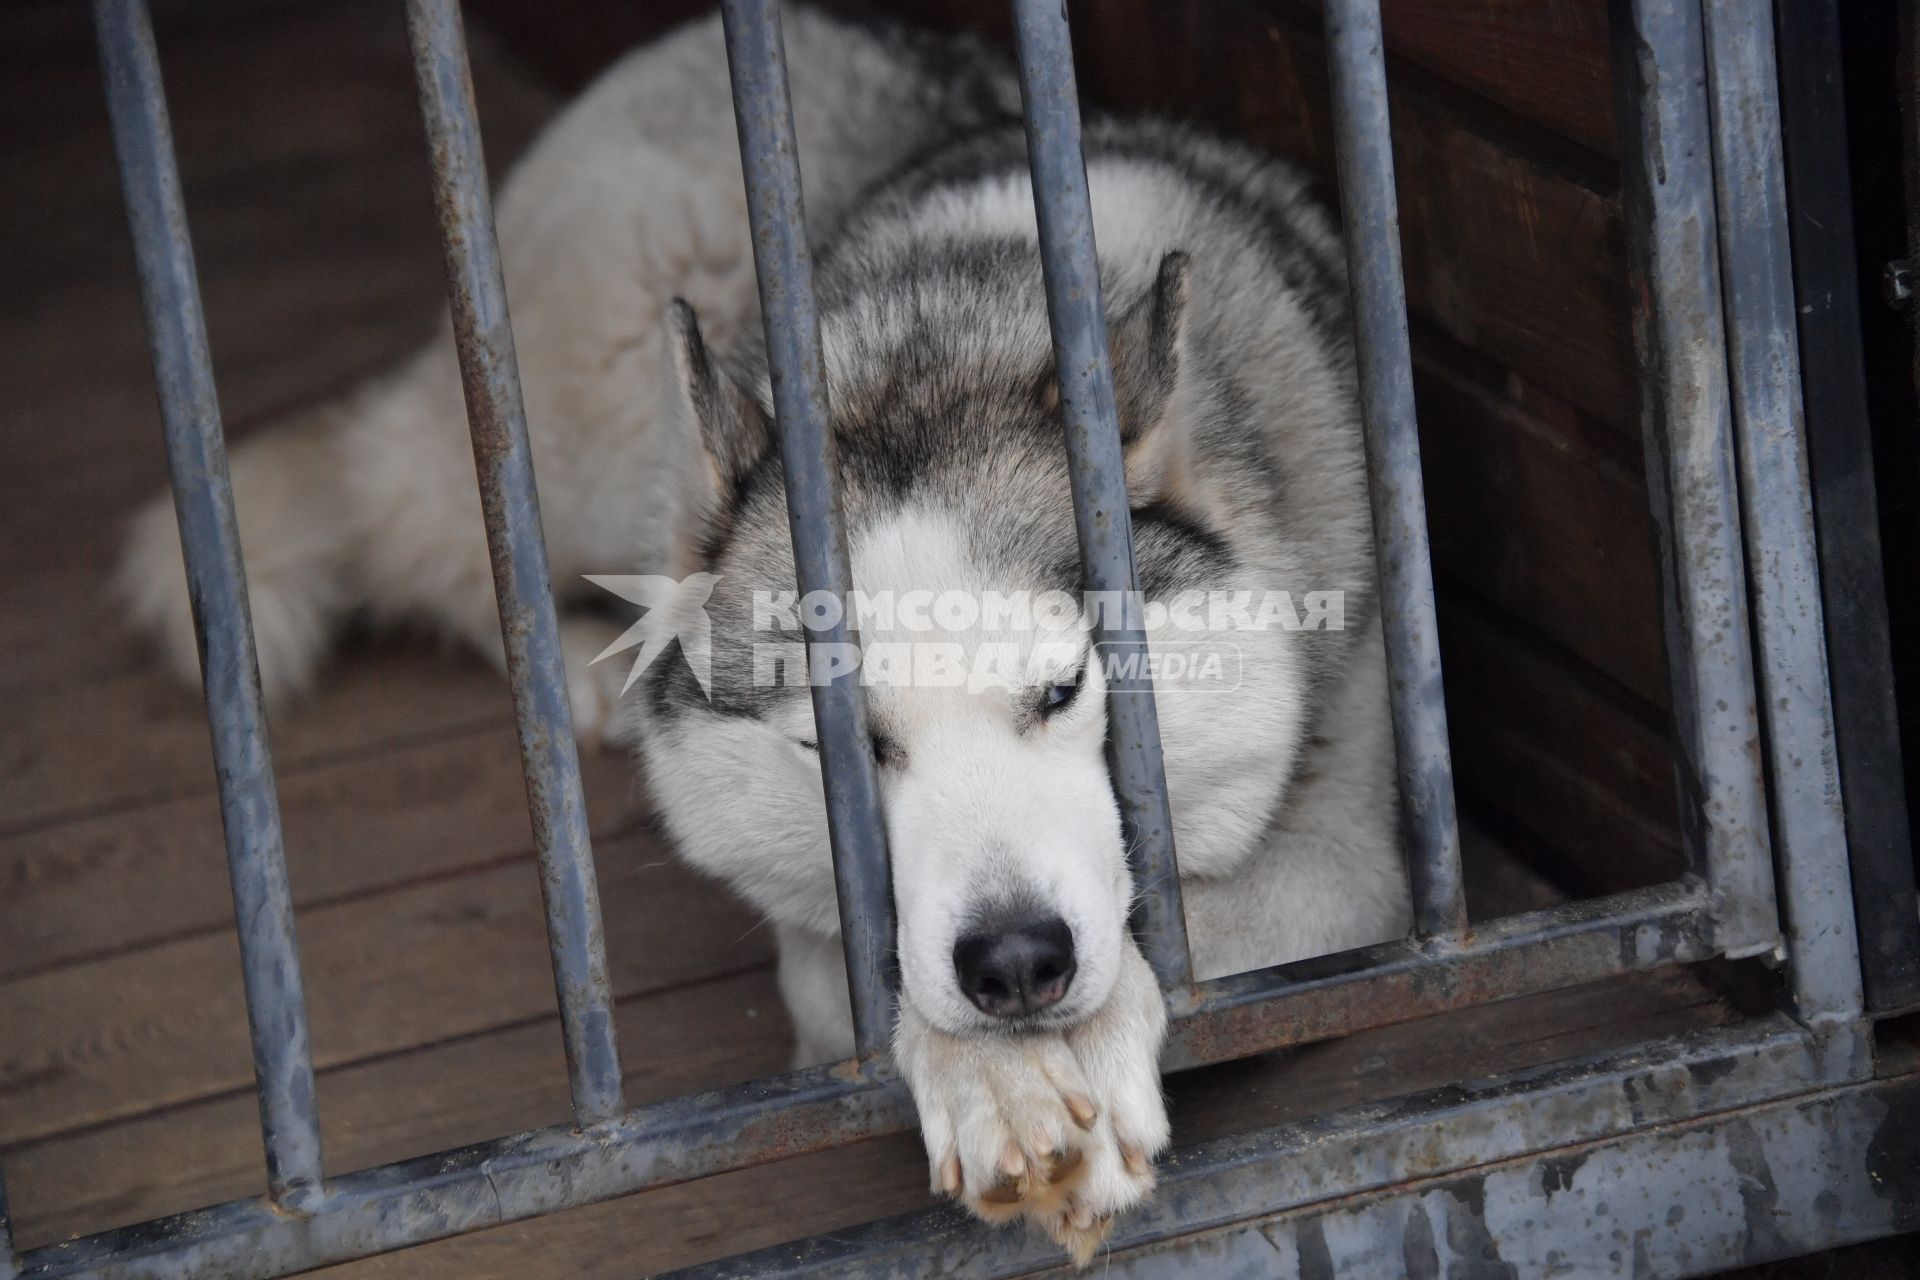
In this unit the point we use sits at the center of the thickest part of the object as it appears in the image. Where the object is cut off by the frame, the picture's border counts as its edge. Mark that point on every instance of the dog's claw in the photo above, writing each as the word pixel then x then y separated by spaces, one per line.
pixel 1081 1234
pixel 1081 1108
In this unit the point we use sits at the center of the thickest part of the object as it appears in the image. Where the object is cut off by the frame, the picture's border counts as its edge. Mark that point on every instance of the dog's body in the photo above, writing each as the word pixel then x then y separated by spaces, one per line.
pixel 1226 298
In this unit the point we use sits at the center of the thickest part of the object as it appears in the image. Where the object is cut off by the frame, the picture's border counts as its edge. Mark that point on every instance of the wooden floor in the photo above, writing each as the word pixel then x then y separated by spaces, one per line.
pixel 125 1089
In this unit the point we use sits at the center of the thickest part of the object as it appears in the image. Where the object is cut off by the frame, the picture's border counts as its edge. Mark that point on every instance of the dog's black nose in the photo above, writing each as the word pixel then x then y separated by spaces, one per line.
pixel 1016 969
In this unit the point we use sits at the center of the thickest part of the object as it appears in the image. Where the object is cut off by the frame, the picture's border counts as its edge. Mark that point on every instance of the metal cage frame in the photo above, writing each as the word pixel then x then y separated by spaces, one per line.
pixel 1790 1094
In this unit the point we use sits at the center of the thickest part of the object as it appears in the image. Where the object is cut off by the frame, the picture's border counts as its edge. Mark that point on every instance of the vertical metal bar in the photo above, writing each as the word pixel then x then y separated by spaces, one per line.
pixel 862 875
pixel 1846 508
pixel 9 1260
pixel 1363 149
pixel 216 580
pixel 1776 501
pixel 1051 104
pixel 497 418
pixel 1667 169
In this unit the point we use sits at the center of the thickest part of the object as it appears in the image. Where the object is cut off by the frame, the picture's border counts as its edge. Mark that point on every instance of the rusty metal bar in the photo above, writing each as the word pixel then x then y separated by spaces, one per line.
pixel 1846 507
pixel 1810 834
pixel 528 625
pixel 692 1137
pixel 862 874
pixel 1097 465
pixel 1584 1160
pixel 1667 169
pixel 1363 148
pixel 217 585
pixel 1327 996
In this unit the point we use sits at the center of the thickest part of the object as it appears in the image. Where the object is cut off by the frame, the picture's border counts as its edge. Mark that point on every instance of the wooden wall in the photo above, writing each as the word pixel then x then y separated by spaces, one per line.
pixel 1509 202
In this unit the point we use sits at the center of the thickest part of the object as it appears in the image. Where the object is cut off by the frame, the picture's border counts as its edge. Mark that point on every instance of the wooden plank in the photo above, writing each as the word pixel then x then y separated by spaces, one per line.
pixel 1546 60
pixel 1566 769
pixel 1511 249
pixel 1505 253
pixel 1503 1036
pixel 128 878
pixel 504 1081
pixel 728 1029
pixel 138 738
pixel 680 1226
pixel 166 1025
pixel 1542 512
pixel 304 170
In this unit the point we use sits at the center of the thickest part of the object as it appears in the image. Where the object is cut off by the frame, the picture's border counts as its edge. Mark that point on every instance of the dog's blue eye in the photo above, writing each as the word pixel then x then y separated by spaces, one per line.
pixel 1059 696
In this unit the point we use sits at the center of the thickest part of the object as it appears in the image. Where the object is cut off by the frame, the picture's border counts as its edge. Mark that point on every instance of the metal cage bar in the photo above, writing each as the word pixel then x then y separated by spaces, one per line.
pixel 1518 1141
pixel 681 1139
pixel 1846 507
pixel 8 1269
pixel 1689 435
pixel 1809 828
pixel 1098 468
pixel 757 61
pixel 1667 171
pixel 490 377
pixel 217 585
pixel 1363 151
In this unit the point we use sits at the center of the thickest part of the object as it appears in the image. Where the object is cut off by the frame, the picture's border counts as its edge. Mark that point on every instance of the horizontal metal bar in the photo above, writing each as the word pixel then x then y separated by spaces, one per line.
pixel 497 418
pixel 1776 502
pixel 1377 986
pixel 1806 1175
pixel 1667 171
pixel 1846 508
pixel 756 58
pixel 432 1197
pixel 1847 1141
pixel 217 587
pixel 1097 467
pixel 734 1128
pixel 1363 148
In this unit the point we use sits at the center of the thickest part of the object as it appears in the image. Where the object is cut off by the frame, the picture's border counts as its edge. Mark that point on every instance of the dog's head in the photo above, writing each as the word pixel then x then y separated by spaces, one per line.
pixel 987 699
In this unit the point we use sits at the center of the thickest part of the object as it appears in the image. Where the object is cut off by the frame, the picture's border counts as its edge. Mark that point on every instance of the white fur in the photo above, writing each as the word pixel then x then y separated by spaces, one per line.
pixel 1287 847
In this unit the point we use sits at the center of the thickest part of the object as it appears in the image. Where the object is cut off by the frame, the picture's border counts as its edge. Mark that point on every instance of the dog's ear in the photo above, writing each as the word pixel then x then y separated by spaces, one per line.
pixel 1150 370
pixel 734 430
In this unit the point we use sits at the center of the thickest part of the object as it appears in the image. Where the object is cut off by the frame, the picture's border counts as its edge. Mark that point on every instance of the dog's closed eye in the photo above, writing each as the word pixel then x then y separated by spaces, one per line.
pixel 1062 694
pixel 884 751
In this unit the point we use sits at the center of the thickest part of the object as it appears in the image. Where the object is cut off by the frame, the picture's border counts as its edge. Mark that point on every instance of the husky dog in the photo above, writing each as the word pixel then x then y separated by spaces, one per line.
pixel 1029 1025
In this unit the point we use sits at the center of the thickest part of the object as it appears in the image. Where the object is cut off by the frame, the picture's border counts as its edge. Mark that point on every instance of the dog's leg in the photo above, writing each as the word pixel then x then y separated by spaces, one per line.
pixel 1118 1051
pixel 594 690
pixel 813 982
pixel 1060 1129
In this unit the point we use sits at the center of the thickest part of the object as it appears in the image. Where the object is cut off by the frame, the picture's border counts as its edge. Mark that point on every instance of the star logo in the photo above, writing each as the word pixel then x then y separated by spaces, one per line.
pixel 675 610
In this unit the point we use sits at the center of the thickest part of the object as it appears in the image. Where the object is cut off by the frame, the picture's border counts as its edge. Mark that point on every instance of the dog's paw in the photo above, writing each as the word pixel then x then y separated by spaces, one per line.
pixel 1005 1119
pixel 1060 1129
pixel 1117 1052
